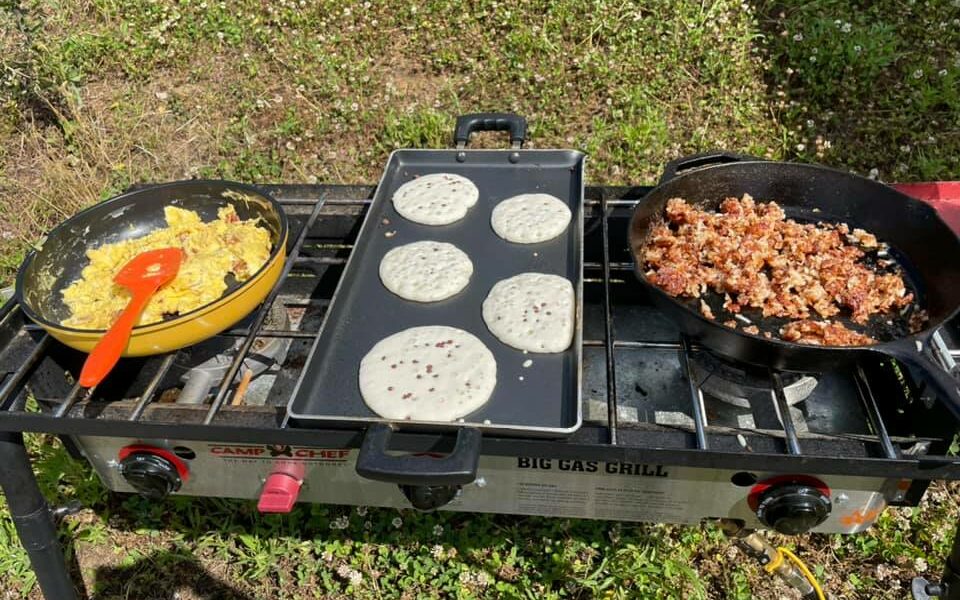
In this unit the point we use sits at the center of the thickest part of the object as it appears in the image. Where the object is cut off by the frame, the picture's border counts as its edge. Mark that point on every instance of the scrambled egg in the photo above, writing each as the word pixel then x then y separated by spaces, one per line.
pixel 211 251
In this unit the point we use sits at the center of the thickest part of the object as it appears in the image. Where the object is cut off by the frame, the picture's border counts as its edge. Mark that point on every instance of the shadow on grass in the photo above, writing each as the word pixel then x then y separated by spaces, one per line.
pixel 162 575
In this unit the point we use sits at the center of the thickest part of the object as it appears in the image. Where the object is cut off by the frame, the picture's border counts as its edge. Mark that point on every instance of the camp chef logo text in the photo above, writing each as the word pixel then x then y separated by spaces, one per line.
pixel 279 451
pixel 592 466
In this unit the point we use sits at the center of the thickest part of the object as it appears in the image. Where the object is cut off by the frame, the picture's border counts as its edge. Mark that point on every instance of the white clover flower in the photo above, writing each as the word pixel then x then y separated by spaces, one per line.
pixel 798 37
pixel 437 551
pixel 801 147
pixel 920 564
pixel 858 48
pixel 397 522
pixel 874 173
pixel 438 530
pixel 918 74
pixel 367 525
pixel 813 59
pixel 846 27
pixel 942 72
pixel 355 578
pixel 362 511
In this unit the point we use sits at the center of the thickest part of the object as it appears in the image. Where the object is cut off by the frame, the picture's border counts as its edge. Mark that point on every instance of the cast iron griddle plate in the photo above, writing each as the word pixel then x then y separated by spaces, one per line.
pixel 363 312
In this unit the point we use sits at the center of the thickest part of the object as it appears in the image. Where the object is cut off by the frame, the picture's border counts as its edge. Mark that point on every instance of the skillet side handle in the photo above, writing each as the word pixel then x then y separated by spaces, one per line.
pixel 467 124
pixel 942 383
pixel 457 468
pixel 702 160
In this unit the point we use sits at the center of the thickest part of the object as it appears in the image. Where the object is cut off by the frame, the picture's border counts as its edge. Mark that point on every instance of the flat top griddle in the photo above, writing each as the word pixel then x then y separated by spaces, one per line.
pixel 546 402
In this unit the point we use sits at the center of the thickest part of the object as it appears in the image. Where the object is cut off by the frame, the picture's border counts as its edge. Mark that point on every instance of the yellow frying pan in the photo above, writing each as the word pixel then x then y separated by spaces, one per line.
pixel 47 271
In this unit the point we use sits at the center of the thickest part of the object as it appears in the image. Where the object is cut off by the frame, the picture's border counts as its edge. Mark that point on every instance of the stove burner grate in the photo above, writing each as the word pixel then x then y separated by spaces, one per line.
pixel 737 383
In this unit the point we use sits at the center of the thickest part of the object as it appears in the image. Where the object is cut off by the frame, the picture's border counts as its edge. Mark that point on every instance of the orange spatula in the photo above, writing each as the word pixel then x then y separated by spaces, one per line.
pixel 143 276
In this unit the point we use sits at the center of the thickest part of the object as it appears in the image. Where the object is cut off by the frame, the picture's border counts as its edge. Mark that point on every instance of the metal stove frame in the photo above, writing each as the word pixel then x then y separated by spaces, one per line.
pixel 24 348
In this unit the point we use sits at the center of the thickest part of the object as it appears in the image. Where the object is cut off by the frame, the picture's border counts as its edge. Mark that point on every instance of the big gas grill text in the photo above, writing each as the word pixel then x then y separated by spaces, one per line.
pixel 592 466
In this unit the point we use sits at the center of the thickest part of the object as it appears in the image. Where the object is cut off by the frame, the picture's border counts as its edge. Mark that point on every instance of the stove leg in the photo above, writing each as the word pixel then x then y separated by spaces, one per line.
pixel 949 586
pixel 33 519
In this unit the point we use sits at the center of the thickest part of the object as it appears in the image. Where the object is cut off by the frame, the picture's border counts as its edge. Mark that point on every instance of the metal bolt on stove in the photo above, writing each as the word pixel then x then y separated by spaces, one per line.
pixel 679 436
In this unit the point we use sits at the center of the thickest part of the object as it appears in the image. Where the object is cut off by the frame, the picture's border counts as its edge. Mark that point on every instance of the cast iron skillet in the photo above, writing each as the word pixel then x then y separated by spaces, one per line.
pixel 926 249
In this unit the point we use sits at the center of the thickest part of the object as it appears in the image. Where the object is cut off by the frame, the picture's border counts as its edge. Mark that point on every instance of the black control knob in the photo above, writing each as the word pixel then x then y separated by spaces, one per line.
pixel 429 497
pixel 793 508
pixel 151 475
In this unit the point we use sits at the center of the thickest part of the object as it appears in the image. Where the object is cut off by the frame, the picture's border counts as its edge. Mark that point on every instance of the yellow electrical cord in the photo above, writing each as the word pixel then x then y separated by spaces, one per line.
pixel 778 560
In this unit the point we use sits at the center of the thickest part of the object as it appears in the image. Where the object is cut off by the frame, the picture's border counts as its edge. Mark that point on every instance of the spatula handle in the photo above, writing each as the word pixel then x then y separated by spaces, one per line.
pixel 108 350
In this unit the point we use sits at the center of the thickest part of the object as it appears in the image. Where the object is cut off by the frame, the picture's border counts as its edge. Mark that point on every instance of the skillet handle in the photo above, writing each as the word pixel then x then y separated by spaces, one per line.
pixel 712 158
pixel 457 468
pixel 467 124
pixel 943 384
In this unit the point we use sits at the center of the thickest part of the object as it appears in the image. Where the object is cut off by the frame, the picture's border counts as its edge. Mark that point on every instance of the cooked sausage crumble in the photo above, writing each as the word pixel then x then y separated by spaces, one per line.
pixel 755 257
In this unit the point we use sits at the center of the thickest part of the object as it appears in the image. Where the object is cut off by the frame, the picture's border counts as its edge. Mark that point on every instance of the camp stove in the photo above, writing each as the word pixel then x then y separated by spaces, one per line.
pixel 670 433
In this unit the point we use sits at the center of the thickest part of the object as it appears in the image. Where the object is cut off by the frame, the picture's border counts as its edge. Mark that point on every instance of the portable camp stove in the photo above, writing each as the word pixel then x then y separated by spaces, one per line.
pixel 670 434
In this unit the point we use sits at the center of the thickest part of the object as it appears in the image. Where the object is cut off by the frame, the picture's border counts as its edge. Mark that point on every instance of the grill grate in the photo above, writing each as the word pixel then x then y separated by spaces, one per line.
pixel 324 223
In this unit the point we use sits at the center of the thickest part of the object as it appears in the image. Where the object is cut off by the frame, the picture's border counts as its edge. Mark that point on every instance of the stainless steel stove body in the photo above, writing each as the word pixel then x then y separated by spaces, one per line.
pixel 670 433
pixel 521 485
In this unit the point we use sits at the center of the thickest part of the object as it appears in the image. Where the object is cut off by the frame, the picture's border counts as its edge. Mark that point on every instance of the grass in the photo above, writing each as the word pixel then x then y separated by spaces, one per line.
pixel 95 96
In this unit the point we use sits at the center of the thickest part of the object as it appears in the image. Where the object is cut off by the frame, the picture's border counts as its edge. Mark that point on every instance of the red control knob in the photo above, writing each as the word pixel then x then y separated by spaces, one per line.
pixel 279 493
pixel 154 472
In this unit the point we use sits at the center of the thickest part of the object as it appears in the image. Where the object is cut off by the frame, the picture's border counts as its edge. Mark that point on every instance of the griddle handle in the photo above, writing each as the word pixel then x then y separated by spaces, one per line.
pixel 457 468
pixel 467 124
pixel 942 383
pixel 704 159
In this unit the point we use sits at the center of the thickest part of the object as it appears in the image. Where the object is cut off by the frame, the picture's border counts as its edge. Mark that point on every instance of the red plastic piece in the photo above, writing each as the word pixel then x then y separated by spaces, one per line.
pixel 279 493
pixel 175 460
pixel 942 195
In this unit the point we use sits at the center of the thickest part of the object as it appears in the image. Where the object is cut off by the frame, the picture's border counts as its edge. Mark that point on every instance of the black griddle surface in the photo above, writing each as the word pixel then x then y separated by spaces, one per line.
pixel 546 402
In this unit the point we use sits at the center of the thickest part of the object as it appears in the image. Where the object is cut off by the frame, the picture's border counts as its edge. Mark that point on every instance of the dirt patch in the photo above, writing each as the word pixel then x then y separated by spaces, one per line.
pixel 112 134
